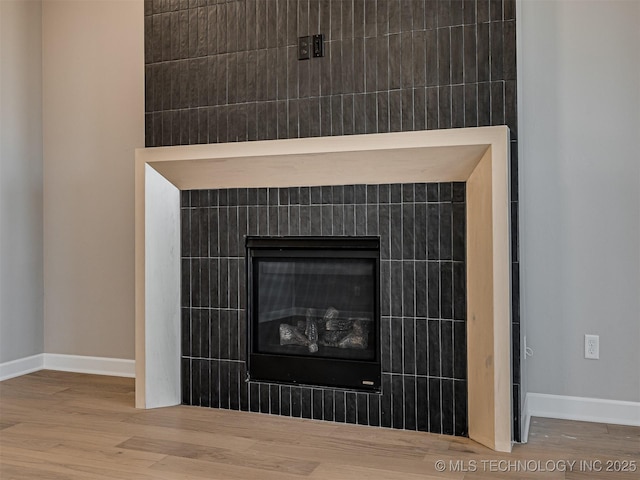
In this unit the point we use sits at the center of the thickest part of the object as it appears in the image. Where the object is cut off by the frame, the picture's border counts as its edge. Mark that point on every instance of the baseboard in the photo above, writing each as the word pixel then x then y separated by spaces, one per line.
pixel 21 366
pixel 582 409
pixel 114 367
pixel 526 420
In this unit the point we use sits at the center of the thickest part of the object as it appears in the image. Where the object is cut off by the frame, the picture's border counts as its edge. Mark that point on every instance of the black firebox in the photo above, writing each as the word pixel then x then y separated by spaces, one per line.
pixel 314 311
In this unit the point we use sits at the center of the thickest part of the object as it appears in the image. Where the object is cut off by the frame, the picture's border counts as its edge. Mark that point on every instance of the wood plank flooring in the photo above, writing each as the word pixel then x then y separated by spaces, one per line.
pixel 56 425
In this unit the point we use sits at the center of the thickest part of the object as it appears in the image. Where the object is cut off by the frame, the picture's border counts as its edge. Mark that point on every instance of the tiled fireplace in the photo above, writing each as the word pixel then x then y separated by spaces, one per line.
pixel 412 191
pixel 421 232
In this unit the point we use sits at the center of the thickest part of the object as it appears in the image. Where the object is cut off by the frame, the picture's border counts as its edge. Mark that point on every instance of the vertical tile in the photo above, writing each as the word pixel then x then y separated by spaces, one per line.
pixel 254 397
pixel 224 384
pixel 394 60
pixel 385 402
pixel 265 398
pixel 408 287
pixel 214 331
pixel 446 348
pixel 409 345
pixel 296 401
pixel 234 386
pixel 351 407
pixel 421 288
pixel 383 112
pixel 410 402
pixel 214 383
pixel 397 341
pixel 327 405
pixel 306 402
pixel 396 215
pixel 372 219
pixel 435 413
pixel 396 288
pixel 339 406
pixel 432 107
pixel 397 394
pixel 483 53
pixel 444 56
pixel 471 105
pixel 374 410
pixel 447 406
pixel 407 110
pixel 419 109
pixel 497 103
pixel 446 290
pixel 382 63
pixel 285 400
pixel 460 408
pixel 395 111
pixel 408 233
pixel 361 219
pixel 422 404
pixel 385 286
pixel 433 334
pixel 362 402
pixel 185 381
pixel 274 399
pixel 459 291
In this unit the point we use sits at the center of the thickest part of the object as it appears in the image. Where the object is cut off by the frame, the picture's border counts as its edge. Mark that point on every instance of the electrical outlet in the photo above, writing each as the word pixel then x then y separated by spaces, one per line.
pixel 592 347
pixel 304 48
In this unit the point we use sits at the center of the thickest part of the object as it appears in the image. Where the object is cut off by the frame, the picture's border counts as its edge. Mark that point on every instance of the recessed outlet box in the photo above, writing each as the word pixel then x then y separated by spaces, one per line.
pixel 318 45
pixel 304 48
pixel 592 347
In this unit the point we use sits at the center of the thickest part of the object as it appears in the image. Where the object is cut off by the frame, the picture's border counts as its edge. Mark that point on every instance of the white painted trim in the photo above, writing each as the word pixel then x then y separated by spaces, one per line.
pixel 525 418
pixel 115 367
pixel 583 409
pixel 21 366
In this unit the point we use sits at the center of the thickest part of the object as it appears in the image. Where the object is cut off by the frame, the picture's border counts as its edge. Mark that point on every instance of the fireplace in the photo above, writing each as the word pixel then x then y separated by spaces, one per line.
pixel 314 311
pixel 477 156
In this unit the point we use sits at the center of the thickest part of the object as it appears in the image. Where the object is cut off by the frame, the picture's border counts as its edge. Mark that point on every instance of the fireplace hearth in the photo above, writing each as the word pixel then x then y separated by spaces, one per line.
pixel 313 311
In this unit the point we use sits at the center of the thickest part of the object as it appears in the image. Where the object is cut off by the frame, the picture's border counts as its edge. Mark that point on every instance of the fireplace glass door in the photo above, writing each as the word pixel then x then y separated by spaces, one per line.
pixel 314 311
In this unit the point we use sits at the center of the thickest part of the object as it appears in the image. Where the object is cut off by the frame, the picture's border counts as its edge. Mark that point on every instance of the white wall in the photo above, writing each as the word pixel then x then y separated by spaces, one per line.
pixel 93 120
pixel 579 74
pixel 21 287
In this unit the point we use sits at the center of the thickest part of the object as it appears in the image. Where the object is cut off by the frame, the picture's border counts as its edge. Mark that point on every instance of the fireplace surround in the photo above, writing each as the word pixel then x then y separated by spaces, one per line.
pixel 477 156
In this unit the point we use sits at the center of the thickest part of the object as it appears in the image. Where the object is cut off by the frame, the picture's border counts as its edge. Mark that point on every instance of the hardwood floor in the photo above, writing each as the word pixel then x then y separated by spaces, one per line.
pixel 56 426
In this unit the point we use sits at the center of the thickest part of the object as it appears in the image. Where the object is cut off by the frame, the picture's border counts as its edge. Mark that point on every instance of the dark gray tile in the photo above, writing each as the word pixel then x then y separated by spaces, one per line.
pixel 435 412
pixel 234 386
pixel 327 405
pixel 410 402
pixel 224 384
pixel 460 408
pixel 397 342
pixel 351 407
pixel 339 406
pixel 447 407
pixel 362 401
pixel 433 352
pixel 265 400
pixel 409 345
pixel 459 351
pixel 397 398
pixel 316 401
pixel 296 401
pixel 254 397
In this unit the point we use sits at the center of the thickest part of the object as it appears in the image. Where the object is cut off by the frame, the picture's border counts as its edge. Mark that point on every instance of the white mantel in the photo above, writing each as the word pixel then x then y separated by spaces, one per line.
pixel 478 156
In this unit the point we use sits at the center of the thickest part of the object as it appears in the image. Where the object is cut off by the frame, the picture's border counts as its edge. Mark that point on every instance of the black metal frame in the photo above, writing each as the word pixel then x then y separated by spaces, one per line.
pixel 303 370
